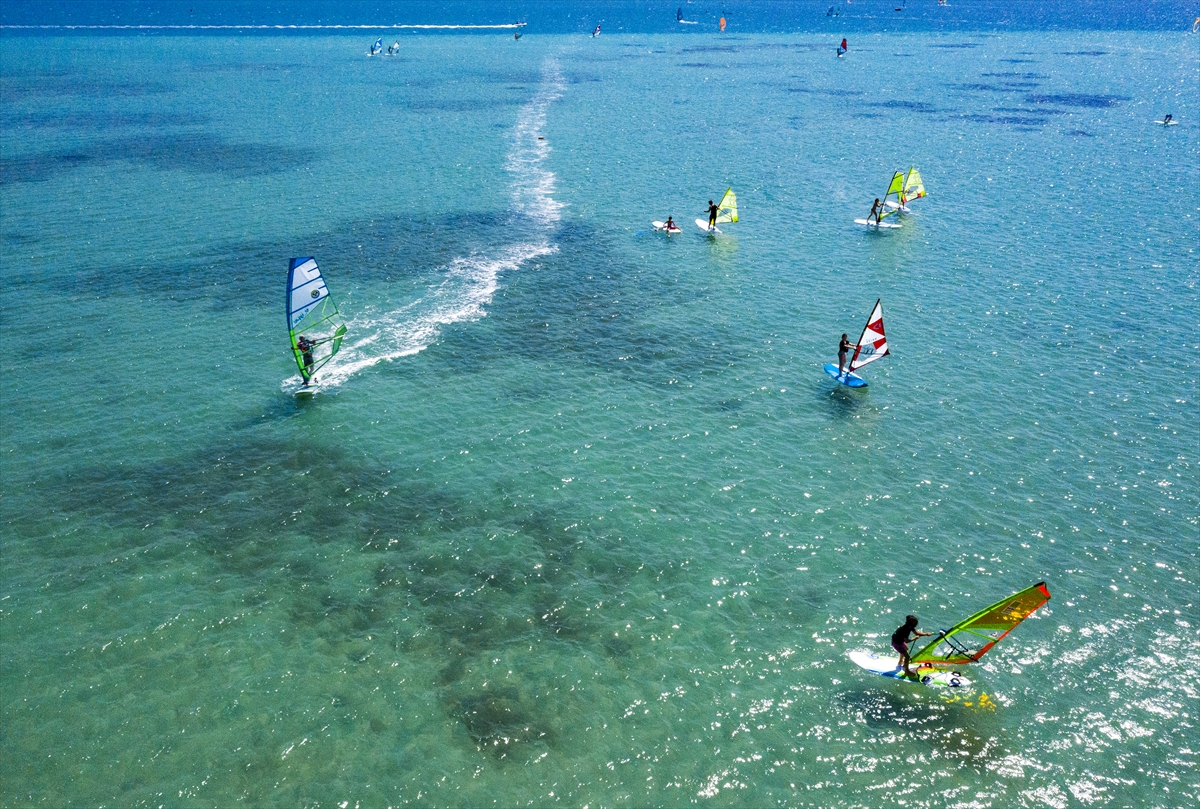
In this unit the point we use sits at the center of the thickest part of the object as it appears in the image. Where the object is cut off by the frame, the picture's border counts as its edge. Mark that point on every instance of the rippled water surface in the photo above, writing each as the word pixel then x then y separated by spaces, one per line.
pixel 577 516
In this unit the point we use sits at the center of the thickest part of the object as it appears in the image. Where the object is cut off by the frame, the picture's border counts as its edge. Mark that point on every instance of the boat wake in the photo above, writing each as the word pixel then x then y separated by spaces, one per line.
pixel 464 287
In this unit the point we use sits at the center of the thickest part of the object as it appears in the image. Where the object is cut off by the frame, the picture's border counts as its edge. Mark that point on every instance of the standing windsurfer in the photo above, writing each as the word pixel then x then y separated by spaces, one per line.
pixel 905 635
pixel 843 349
pixel 305 346
pixel 876 211
pixel 844 47
pixel 1167 118
pixel 712 215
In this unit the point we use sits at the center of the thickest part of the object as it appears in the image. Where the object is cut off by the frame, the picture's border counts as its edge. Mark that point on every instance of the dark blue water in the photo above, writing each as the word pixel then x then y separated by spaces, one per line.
pixel 629 16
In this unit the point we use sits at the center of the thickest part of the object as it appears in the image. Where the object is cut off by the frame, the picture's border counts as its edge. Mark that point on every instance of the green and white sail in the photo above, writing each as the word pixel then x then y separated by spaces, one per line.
pixel 727 207
pixel 969 640
pixel 914 188
pixel 312 316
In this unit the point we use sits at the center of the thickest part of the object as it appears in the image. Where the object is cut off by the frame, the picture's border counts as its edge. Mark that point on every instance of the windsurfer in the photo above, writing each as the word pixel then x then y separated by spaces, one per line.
pixel 305 347
pixel 843 48
pixel 905 635
pixel 670 225
pixel 876 211
pixel 712 215
pixel 1167 118
pixel 843 349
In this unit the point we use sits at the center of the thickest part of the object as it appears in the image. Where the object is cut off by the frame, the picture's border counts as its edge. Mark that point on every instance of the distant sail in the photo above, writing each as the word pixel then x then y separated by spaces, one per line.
pixel 727 208
pixel 312 316
pixel 596 33
pixel 872 345
pixel 969 640
pixel 914 188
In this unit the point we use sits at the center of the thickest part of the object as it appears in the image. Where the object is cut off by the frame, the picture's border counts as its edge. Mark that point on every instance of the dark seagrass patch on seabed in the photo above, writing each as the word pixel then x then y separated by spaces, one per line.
pixel 1088 100
pixel 911 106
pixel 196 153
pixel 100 121
pixel 834 93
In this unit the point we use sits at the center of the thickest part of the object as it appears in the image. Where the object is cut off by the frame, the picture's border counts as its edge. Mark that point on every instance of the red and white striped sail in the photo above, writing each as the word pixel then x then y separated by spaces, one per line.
pixel 873 344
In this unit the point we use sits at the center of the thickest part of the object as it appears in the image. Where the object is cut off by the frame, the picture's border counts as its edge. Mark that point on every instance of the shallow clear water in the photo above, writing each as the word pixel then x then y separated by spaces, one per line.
pixel 578 517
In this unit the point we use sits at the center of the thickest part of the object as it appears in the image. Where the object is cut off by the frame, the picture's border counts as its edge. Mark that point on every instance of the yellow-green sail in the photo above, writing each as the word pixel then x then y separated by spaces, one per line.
pixel 968 640
pixel 896 186
pixel 727 208
pixel 914 188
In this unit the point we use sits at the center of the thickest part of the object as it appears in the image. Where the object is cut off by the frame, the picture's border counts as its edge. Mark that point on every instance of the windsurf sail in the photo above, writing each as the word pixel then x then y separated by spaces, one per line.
pixel 969 640
pixel 872 345
pixel 896 186
pixel 315 326
pixel 914 188
pixel 727 207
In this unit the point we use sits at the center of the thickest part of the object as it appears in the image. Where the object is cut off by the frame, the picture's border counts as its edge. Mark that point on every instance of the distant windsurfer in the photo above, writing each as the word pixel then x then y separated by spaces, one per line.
pixel 305 346
pixel 876 211
pixel 713 208
pixel 843 47
pixel 843 349
pixel 1167 119
pixel 596 33
pixel 905 635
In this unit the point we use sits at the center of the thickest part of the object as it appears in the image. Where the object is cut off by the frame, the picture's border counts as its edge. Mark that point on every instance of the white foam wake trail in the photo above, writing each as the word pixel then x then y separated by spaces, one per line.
pixel 466 285
pixel 534 185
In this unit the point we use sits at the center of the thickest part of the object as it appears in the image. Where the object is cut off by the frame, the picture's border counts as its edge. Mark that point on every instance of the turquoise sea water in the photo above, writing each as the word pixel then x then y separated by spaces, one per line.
pixel 578 518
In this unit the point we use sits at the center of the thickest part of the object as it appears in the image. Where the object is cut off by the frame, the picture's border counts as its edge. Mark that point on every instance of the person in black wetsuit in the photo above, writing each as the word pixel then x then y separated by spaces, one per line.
pixel 306 346
pixel 876 211
pixel 905 635
pixel 843 349
pixel 1166 119
pixel 712 214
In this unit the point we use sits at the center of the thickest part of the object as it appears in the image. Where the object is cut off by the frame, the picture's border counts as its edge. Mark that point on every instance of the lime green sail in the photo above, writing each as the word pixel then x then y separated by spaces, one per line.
pixel 896 186
pixel 315 326
pixel 727 208
pixel 914 188
pixel 969 640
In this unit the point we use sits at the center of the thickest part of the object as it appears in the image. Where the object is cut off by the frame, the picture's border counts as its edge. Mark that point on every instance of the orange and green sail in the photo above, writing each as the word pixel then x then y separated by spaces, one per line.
pixel 969 640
